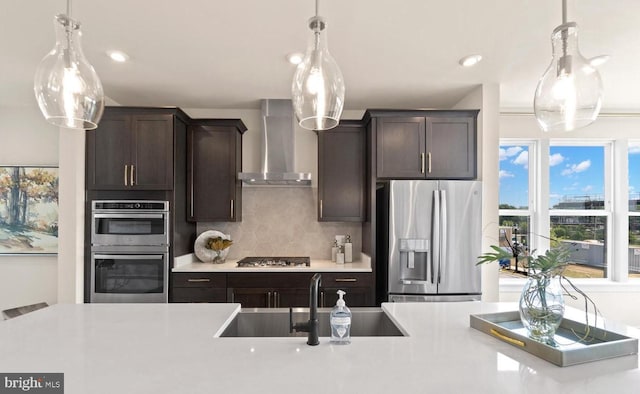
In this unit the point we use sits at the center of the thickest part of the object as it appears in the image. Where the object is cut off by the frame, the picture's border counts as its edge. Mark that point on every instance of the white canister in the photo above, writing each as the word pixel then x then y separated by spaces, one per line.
pixel 334 251
pixel 348 252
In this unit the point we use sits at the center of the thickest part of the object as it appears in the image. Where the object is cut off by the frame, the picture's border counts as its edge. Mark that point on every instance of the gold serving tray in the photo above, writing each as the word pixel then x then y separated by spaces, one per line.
pixel 567 350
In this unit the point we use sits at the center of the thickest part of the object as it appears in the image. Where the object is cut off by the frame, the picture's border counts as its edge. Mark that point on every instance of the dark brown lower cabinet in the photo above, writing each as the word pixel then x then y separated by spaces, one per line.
pixel 261 297
pixel 271 290
pixel 282 290
pixel 199 287
pixel 358 286
pixel 356 296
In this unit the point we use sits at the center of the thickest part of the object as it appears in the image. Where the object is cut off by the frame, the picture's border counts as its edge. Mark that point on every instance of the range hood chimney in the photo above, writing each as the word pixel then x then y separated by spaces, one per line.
pixel 277 146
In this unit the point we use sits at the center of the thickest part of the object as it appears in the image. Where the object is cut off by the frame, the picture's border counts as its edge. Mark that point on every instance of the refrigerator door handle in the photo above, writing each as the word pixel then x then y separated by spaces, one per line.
pixel 443 233
pixel 414 282
pixel 436 233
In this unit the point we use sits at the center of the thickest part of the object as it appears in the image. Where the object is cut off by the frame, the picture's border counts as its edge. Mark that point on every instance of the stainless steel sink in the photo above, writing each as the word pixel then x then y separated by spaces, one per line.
pixel 263 322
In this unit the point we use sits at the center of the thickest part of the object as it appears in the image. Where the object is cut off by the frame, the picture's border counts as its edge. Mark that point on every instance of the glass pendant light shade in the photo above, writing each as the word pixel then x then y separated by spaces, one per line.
pixel 569 94
pixel 67 88
pixel 318 88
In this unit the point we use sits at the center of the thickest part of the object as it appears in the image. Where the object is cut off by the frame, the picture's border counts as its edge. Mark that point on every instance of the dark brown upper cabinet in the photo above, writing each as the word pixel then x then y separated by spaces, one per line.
pixel 214 158
pixel 341 173
pixel 425 144
pixel 133 149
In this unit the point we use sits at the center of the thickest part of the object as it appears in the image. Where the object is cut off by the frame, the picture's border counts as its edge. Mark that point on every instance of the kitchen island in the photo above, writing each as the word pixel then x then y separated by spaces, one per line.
pixel 171 348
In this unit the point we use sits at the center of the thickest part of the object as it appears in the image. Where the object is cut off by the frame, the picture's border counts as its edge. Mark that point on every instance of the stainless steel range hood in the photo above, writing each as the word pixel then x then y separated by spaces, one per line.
pixel 277 150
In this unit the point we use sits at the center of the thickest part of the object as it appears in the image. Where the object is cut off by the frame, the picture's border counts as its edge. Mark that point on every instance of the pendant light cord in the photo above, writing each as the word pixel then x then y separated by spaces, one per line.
pixel 564 33
pixel 318 7
pixel 69 8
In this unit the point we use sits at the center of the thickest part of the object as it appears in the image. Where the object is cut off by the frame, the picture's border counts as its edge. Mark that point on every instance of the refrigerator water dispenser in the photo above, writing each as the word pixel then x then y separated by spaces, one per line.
pixel 414 260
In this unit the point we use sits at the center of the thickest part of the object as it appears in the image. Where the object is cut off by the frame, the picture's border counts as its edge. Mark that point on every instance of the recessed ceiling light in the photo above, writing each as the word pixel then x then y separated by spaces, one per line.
pixel 470 60
pixel 295 57
pixel 599 60
pixel 118 56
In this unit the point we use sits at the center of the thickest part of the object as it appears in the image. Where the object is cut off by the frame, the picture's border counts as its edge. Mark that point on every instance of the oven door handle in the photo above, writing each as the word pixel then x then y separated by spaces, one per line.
pixel 129 256
pixel 129 215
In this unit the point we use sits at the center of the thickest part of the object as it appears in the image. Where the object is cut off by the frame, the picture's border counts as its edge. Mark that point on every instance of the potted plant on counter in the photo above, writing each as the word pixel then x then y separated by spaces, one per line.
pixel 212 246
pixel 541 303
pixel 218 245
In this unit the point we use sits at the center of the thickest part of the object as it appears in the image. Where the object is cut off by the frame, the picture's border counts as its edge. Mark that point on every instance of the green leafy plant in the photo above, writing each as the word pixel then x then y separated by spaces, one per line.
pixel 542 268
pixel 218 243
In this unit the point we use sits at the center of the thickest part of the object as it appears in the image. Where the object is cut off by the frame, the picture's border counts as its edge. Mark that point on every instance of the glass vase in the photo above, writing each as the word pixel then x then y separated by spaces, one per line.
pixel 542 307
pixel 219 257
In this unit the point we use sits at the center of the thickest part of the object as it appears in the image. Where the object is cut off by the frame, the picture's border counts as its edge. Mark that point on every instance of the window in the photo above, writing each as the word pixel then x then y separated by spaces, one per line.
pixel 579 209
pixel 516 204
pixel 570 204
pixel 514 177
pixel 634 209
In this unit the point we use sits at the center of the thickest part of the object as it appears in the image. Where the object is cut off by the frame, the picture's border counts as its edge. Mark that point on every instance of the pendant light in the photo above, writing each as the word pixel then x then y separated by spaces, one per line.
pixel 569 94
pixel 318 88
pixel 67 88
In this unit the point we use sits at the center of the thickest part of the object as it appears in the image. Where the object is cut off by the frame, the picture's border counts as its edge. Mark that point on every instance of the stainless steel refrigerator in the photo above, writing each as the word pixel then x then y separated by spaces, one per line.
pixel 435 233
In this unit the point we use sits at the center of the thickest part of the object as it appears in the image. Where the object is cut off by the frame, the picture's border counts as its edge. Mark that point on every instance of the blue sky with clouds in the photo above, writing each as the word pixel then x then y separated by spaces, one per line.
pixel 574 172
pixel 634 170
pixel 514 175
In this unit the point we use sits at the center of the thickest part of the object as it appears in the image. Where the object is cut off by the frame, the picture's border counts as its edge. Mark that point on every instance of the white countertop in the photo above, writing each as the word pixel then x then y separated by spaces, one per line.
pixel 170 348
pixel 190 263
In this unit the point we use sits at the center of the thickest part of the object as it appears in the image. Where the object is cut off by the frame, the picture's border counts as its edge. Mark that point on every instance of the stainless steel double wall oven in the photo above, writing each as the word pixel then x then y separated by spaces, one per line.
pixel 129 251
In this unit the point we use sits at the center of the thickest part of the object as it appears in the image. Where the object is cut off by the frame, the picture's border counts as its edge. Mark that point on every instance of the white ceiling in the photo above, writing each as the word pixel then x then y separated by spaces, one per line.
pixel 393 53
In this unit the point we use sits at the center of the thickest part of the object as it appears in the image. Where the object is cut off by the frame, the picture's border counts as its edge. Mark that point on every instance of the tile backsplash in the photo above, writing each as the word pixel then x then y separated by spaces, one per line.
pixel 282 221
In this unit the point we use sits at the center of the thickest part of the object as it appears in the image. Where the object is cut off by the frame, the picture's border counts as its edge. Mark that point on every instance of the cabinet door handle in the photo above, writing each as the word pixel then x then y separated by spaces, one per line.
pixel 198 280
pixel 269 300
pixel 132 175
pixel 322 299
pixel 422 163
pixel 231 209
pixel 276 299
pixel 320 209
pixel 429 160
pixel 346 279
pixel 191 189
pixel 126 167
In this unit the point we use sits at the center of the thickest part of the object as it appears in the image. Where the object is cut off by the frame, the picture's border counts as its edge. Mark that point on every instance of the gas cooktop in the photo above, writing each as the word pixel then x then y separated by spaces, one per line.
pixel 275 262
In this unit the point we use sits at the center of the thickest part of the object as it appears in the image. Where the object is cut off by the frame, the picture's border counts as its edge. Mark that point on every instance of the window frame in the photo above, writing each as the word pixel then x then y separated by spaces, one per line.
pixel 607 211
pixel 630 214
pixel 615 208
pixel 530 212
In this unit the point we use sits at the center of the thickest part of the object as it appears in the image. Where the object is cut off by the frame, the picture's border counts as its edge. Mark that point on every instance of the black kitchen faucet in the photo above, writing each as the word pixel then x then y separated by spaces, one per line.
pixel 310 326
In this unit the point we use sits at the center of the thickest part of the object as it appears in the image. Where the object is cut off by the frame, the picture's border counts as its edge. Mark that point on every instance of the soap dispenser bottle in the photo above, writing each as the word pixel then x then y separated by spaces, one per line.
pixel 340 322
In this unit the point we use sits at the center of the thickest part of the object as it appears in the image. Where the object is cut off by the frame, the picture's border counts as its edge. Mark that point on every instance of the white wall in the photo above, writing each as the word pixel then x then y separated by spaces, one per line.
pixel 487 98
pixel 27 139
pixel 71 220
pixel 616 301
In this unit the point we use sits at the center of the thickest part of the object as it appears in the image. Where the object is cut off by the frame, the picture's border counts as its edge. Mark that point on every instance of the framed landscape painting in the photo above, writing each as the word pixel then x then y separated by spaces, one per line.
pixel 28 210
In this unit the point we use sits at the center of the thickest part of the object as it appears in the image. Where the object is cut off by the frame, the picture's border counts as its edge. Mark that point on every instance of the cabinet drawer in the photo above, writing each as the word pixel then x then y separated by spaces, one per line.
pixel 355 297
pixel 199 294
pixel 199 279
pixel 291 280
pixel 346 279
